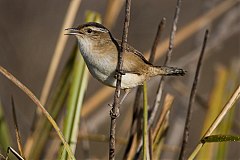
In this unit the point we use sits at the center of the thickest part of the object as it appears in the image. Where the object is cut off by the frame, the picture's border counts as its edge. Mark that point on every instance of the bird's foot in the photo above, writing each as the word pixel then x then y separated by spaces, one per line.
pixel 114 114
pixel 120 72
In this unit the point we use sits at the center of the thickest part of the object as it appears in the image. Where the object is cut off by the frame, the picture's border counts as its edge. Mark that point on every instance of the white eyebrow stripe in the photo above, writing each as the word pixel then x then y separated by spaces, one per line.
pixel 100 30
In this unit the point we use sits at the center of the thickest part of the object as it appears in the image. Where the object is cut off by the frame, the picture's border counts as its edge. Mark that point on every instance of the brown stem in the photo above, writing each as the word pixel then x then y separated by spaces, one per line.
pixel 116 103
pixel 192 99
pixel 173 32
pixel 19 141
pixel 156 40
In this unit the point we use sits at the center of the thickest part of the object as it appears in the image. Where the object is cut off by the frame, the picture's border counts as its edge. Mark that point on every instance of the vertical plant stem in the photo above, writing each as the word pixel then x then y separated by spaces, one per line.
pixel 116 103
pixel 192 98
pixel 76 92
pixel 156 40
pixel 19 142
pixel 151 59
pixel 173 32
pixel 145 122
pixel 166 107
pixel 150 144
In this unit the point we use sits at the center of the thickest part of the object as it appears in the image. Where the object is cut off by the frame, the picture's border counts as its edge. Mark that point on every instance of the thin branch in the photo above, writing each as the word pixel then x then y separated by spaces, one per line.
pixel 100 138
pixel 38 103
pixel 166 107
pixel 156 102
pixel 192 99
pixel 219 118
pixel 161 26
pixel 116 103
pixel 173 33
pixel 167 60
pixel 19 142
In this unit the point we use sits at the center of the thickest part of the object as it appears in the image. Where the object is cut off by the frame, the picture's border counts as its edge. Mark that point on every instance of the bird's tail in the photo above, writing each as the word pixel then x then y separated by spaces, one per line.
pixel 167 71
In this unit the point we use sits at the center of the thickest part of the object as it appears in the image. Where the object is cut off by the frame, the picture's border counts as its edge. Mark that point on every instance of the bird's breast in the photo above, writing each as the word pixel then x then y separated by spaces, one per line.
pixel 102 67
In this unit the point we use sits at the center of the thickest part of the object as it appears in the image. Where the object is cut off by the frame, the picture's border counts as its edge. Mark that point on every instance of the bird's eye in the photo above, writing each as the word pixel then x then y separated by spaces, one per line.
pixel 89 30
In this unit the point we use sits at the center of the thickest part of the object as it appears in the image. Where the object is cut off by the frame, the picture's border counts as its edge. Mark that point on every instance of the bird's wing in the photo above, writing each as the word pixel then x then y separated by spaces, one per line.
pixel 131 50
pixel 133 61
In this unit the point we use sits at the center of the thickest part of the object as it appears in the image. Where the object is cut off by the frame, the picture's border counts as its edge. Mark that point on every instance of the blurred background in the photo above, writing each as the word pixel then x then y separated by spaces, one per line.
pixel 29 31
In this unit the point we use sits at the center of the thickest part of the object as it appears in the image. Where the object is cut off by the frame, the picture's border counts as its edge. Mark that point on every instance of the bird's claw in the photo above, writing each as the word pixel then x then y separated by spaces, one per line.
pixel 114 114
pixel 120 72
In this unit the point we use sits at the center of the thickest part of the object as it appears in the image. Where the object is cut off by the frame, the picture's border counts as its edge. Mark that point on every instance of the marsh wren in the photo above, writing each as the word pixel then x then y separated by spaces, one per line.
pixel 100 51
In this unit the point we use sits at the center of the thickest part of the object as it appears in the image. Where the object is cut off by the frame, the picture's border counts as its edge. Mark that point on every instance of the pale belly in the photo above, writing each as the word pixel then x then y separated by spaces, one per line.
pixel 129 80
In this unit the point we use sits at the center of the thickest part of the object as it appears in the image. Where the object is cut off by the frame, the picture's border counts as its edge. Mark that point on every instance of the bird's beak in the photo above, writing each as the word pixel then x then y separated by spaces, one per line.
pixel 72 31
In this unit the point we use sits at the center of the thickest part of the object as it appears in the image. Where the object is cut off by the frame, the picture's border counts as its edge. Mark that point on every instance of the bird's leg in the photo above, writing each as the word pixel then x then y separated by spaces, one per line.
pixel 126 92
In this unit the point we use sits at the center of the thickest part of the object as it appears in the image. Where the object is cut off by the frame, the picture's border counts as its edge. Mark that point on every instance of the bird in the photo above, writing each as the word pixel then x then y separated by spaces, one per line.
pixel 100 51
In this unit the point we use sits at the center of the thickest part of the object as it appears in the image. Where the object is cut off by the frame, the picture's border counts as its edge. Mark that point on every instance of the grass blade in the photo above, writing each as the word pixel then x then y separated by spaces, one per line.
pixel 74 102
pixel 165 110
pixel 19 142
pixel 220 138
